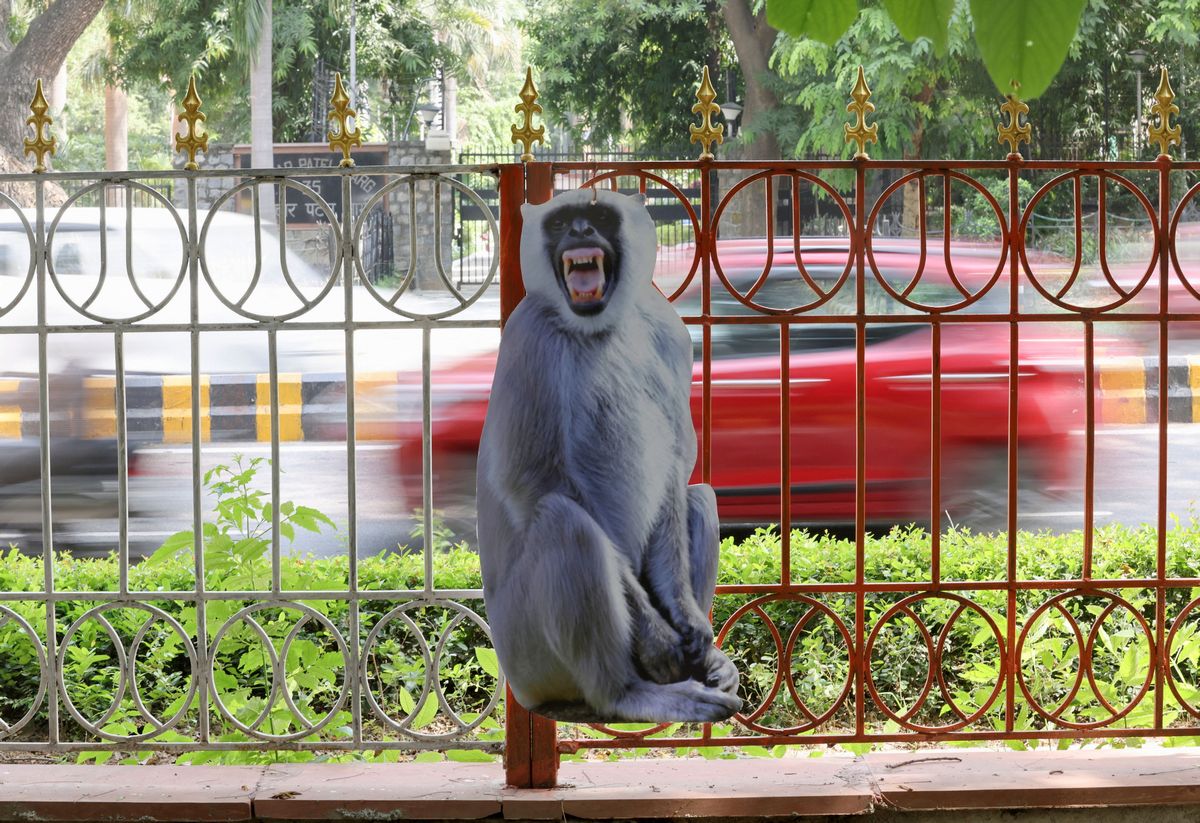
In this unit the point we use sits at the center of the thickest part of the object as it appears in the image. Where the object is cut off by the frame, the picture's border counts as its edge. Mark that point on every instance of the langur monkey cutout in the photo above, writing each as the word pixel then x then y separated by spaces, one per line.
pixel 599 560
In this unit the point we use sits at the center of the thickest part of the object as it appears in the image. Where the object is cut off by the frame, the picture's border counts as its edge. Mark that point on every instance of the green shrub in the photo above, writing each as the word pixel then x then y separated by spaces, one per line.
pixel 808 630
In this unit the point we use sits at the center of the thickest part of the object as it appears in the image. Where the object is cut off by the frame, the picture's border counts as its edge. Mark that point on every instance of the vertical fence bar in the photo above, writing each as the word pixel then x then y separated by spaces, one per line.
pixel 42 253
pixel 860 446
pixel 1015 242
pixel 543 755
pixel 785 451
pixel 1089 454
pixel 707 244
pixel 122 461
pixel 349 257
pixel 427 459
pixel 273 378
pixel 935 452
pixel 202 729
pixel 1164 282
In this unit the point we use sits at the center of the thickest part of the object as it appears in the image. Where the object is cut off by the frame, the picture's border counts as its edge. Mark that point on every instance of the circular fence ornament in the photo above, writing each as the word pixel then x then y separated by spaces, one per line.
pixel 1058 294
pixel 460 300
pixel 288 289
pixel 1183 658
pixel 1190 200
pixel 12 295
pixel 790 661
pixel 280 689
pixel 434 657
pixel 132 307
pixel 11 622
pixel 746 288
pixel 126 670
pixel 965 288
pixel 1051 698
pixel 939 650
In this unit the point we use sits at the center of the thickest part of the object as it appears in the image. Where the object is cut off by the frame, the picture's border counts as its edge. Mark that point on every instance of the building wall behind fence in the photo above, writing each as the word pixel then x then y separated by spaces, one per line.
pixel 426 224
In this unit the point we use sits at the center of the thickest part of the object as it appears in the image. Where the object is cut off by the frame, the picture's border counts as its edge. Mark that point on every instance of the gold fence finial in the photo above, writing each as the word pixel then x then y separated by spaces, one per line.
pixel 339 136
pixel 39 145
pixel 528 107
pixel 191 142
pixel 706 133
pixel 861 106
pixel 1014 133
pixel 1164 133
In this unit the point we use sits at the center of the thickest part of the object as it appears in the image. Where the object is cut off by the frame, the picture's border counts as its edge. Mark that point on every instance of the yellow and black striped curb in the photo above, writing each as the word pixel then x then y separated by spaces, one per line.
pixel 234 407
pixel 313 406
pixel 1128 389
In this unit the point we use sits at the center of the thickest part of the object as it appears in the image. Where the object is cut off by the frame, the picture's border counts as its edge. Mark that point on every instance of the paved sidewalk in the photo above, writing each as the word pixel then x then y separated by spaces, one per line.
pixel 908 786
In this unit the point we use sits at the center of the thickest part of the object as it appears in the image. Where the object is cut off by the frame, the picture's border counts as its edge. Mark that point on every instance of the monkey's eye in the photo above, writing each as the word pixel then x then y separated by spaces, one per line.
pixel 602 217
pixel 556 224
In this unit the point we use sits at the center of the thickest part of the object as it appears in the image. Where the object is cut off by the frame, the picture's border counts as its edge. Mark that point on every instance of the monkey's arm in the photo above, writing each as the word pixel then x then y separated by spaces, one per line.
pixel 658 649
pixel 669 579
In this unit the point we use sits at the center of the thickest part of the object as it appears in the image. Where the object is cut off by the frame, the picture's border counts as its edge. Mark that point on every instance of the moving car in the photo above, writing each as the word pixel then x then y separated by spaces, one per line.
pixel 745 422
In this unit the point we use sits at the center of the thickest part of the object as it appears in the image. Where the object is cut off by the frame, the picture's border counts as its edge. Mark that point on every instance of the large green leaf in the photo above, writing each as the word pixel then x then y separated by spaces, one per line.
pixel 923 18
pixel 824 20
pixel 1024 42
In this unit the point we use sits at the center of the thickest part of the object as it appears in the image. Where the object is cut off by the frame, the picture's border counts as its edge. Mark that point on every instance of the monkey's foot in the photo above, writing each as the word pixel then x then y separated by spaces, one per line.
pixel 720 673
pixel 684 702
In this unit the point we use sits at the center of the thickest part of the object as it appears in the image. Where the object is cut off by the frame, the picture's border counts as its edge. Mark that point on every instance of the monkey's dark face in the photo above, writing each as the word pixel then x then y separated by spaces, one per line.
pixel 582 242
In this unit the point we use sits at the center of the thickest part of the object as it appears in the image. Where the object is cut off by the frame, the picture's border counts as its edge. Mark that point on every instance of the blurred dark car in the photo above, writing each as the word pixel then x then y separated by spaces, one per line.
pixel 83 469
pixel 84 486
pixel 746 453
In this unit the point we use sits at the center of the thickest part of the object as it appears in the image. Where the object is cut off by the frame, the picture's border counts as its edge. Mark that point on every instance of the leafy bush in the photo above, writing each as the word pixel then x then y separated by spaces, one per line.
pixel 265 650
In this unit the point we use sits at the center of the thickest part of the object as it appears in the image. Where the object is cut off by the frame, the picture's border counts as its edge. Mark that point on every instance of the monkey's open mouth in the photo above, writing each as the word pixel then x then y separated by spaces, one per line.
pixel 584 274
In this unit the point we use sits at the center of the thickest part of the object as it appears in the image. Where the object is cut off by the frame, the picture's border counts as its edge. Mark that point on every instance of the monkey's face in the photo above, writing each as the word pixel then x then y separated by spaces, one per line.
pixel 581 241
pixel 589 255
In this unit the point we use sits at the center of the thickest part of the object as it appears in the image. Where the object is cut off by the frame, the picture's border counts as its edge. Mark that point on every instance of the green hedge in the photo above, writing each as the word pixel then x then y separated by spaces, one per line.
pixel 818 657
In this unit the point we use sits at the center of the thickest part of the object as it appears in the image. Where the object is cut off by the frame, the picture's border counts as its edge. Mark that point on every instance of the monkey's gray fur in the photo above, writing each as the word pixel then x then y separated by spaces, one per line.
pixel 599 561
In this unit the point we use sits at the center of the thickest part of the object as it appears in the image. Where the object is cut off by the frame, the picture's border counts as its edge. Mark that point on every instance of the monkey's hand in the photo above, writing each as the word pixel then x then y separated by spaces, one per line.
pixel 659 649
pixel 696 635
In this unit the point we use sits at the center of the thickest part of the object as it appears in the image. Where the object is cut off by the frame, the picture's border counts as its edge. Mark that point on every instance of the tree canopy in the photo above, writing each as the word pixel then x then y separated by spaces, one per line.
pixel 1022 42
pixel 620 71
pixel 940 105
pixel 934 87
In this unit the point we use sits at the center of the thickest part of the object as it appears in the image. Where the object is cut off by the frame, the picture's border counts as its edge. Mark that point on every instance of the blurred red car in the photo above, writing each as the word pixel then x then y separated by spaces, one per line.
pixel 746 403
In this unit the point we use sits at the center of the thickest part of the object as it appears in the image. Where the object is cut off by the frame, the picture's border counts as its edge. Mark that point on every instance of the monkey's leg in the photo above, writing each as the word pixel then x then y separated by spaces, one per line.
pixel 704 543
pixel 577 597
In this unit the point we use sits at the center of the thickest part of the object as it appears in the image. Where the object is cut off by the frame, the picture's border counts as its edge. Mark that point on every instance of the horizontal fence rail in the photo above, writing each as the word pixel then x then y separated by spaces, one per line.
pixel 1005 276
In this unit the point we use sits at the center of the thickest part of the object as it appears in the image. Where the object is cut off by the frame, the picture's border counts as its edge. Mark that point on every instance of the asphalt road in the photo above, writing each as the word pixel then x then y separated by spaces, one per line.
pixel 314 474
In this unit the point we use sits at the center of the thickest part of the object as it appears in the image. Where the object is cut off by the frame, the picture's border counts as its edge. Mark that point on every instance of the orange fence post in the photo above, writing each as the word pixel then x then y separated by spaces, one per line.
pixel 530 741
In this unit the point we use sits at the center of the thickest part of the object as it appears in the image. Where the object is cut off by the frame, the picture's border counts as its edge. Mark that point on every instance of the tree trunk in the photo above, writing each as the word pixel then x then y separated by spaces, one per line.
pixel 753 40
pixel 116 137
pixel 912 205
pixel 262 135
pixel 37 56
pixel 58 99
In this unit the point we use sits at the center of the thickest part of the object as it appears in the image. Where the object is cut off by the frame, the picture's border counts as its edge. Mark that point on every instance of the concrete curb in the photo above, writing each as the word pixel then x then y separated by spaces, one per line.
pixel 233 407
pixel 237 407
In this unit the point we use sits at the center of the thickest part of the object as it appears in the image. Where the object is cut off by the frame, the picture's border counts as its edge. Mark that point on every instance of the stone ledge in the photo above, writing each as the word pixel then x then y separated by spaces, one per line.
pixel 905 784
